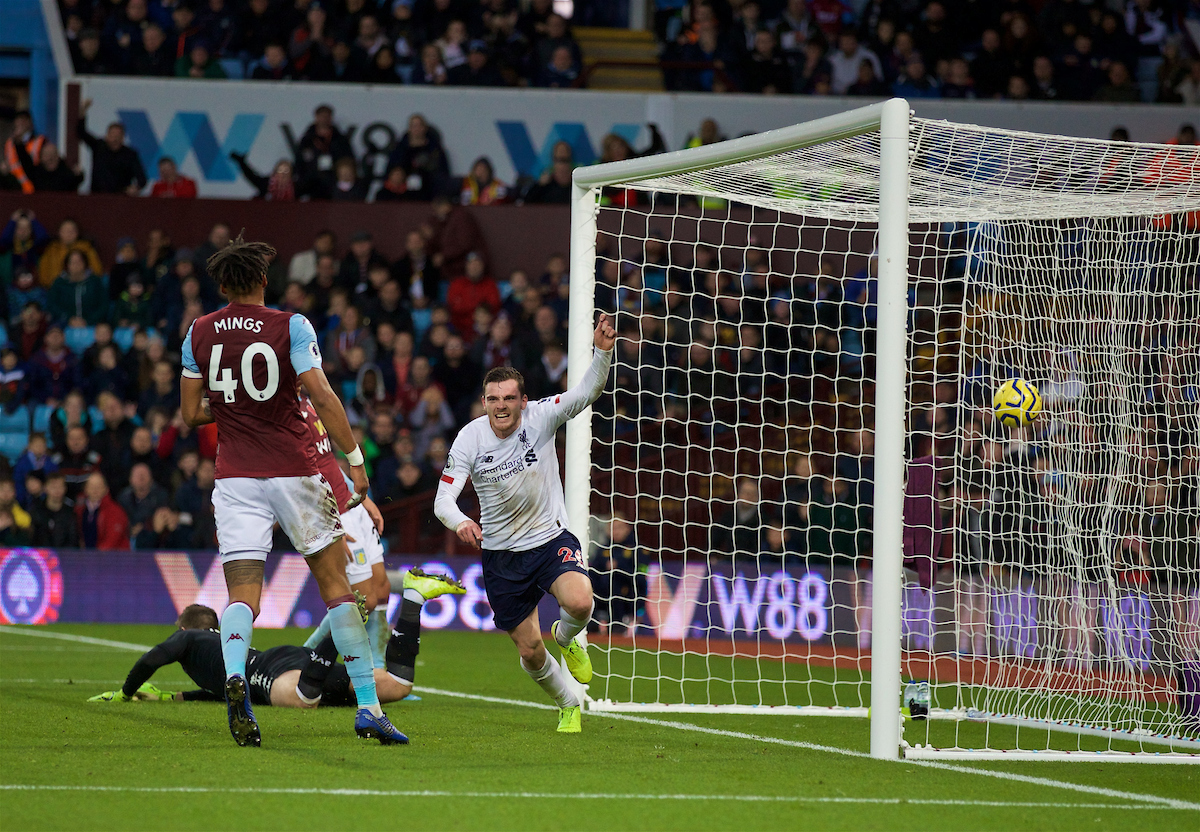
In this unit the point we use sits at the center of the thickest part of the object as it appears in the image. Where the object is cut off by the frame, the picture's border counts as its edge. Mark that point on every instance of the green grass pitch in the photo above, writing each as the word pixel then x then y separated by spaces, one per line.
pixel 490 761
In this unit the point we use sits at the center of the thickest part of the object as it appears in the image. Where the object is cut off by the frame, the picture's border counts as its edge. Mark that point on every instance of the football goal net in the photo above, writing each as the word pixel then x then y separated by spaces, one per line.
pixel 796 496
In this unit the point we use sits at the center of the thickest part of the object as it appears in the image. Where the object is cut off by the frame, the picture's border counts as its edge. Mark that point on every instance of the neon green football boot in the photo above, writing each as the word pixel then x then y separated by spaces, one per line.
pixel 569 721
pixel 431 586
pixel 578 660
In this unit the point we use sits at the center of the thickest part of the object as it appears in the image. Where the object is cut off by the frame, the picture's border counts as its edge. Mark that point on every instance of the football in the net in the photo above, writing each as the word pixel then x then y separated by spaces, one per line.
pixel 1017 402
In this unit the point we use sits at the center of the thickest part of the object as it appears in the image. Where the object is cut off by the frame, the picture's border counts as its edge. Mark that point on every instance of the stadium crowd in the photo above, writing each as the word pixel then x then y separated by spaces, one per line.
pixel 89 400
pixel 1068 50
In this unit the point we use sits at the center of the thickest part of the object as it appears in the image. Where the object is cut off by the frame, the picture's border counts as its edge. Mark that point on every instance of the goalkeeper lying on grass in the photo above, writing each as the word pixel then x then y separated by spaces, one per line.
pixel 286 676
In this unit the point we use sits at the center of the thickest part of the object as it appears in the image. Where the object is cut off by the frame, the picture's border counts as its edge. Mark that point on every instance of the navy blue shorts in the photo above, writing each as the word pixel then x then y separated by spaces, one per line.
pixel 516 581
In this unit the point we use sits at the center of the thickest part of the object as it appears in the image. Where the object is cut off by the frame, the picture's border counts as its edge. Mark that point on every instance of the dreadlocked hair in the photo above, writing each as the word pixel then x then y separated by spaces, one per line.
pixel 238 268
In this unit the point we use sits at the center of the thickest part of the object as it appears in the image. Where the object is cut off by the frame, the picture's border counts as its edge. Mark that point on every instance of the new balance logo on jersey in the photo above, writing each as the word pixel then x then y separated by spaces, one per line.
pixel 485 461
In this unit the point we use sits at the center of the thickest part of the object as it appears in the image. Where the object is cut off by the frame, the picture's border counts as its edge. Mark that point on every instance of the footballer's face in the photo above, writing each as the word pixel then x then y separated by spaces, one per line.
pixel 503 403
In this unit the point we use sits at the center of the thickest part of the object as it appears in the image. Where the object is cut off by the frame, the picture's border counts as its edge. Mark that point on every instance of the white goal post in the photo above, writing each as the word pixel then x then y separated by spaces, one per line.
pixel 979 252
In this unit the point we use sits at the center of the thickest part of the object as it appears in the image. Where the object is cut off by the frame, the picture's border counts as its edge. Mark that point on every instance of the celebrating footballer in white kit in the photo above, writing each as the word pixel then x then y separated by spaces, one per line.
pixel 510 458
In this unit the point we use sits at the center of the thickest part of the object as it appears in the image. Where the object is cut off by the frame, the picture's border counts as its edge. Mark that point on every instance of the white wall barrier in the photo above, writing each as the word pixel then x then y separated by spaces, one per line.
pixel 200 122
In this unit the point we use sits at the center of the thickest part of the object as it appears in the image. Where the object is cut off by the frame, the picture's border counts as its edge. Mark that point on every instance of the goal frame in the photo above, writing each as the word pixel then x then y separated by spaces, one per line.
pixel 891 119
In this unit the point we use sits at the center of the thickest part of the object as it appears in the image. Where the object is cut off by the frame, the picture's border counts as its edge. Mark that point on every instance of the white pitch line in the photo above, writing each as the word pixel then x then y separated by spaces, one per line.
pixel 1144 799
pixel 730 798
pixel 167 682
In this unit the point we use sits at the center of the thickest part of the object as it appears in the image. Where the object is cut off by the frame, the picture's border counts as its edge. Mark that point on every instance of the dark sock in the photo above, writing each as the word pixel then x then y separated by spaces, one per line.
pixel 405 643
pixel 320 662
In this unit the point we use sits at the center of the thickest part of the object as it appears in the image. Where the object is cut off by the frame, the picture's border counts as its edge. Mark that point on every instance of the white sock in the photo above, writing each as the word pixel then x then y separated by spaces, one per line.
pixel 411 594
pixel 568 627
pixel 550 679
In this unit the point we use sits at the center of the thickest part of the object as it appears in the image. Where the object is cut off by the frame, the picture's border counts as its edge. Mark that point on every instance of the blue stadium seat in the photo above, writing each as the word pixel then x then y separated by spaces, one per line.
pixel 12 445
pixel 3 336
pixel 41 419
pixel 79 338
pixel 349 390
pixel 97 419
pixel 123 337
pixel 15 422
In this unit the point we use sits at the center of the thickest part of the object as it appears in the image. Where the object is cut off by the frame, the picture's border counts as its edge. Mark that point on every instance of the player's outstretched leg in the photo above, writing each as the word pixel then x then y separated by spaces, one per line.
pixel 573 591
pixel 405 643
pixel 312 676
pixel 237 628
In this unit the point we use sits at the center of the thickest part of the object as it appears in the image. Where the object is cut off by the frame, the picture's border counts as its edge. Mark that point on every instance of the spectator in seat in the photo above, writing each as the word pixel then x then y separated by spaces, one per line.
pixel 73 412
pixel 382 69
pixel 142 451
pixel 478 70
pixel 193 502
pixel 54 258
pixel 738 529
pixel 167 530
pixel 845 63
pixel 154 59
pixel 430 70
pixel 868 83
pixel 959 83
pixel 991 67
pixel 53 516
pixel 274 65
pixel 36 458
pixel 547 376
pixel 171 183
pixel 260 26
pixel 86 54
pixel 52 371
pixel 395 187
pixel 915 81
pixel 27 300
pixel 1120 87
pixel 107 375
pixel 554 185
pixel 21 149
pixel 21 244
pixel 303 266
pixel 13 518
pixel 481 187
pixel 283 185
pixel 347 335
pixel 309 46
pixel 1188 88
pixel 388 307
pixel 409 482
pixel 163 392
pixel 459 376
pixel 75 460
pixel 560 72
pixel 431 418
pixel 358 262
pixel 419 278
pixel 420 152
pixel 140 500
pixel 764 71
pixel 14 386
pixel 112 439
pixel 347 187
pixel 614 573
pixel 78 297
pixel 102 522
pixel 198 62
pixel 116 167
pixel 455 235
pixel 475 288
pixel 52 174
pixel 320 147
pixel 135 306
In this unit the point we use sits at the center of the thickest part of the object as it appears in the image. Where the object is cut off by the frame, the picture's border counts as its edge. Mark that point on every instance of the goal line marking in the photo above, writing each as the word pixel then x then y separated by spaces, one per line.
pixel 733 798
pixel 1143 799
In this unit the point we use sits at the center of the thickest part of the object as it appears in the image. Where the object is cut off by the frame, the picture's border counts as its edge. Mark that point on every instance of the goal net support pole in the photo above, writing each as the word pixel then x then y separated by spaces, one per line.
pixel 889 429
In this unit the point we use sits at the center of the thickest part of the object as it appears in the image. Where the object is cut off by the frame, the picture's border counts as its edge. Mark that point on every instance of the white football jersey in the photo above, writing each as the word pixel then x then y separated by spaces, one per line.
pixel 520 492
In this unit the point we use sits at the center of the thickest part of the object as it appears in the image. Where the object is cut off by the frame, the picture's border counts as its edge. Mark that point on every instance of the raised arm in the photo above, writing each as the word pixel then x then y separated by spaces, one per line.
pixel 169 652
pixel 574 401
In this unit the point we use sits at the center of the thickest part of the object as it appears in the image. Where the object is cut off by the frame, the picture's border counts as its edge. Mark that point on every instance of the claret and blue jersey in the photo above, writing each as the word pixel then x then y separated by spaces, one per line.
pixel 250 358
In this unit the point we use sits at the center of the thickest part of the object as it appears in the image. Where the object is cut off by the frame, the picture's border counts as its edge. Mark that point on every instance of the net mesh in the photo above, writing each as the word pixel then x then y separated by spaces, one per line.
pixel 1051 571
